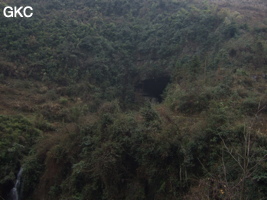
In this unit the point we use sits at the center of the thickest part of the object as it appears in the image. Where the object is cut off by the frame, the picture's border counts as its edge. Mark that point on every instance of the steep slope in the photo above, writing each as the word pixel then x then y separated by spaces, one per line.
pixel 87 77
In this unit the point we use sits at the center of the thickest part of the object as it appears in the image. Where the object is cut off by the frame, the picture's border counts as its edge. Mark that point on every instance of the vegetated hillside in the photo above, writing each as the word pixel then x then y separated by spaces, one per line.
pixel 141 99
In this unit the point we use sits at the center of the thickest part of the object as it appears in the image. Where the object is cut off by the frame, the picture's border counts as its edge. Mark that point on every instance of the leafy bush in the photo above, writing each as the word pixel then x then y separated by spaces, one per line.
pixel 32 171
pixel 250 105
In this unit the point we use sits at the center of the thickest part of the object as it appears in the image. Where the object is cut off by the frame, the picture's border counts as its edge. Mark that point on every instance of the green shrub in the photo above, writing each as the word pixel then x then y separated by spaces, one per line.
pixel 63 100
pixel 43 124
pixel 51 95
pixel 32 171
pixel 221 91
pixel 250 105
pixel 193 103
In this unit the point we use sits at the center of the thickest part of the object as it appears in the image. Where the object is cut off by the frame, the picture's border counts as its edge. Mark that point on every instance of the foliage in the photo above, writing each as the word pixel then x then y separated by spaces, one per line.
pixel 17 136
pixel 32 170
pixel 106 47
pixel 94 58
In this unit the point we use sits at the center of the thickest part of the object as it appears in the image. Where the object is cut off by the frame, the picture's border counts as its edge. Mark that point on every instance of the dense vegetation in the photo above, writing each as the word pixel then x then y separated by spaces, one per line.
pixel 140 99
pixel 17 136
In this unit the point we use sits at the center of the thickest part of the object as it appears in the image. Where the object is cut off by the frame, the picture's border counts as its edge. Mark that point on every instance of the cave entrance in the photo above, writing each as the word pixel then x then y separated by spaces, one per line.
pixel 153 88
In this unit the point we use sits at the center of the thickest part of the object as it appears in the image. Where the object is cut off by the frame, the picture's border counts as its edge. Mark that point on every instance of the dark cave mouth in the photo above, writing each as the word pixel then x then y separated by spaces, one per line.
pixel 153 87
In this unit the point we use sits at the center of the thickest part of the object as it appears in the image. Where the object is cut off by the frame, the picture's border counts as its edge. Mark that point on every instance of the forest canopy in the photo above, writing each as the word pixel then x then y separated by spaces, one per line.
pixel 134 99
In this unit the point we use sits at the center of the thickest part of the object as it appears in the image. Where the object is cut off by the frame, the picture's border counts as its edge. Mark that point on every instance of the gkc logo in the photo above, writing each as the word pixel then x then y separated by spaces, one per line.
pixel 20 12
